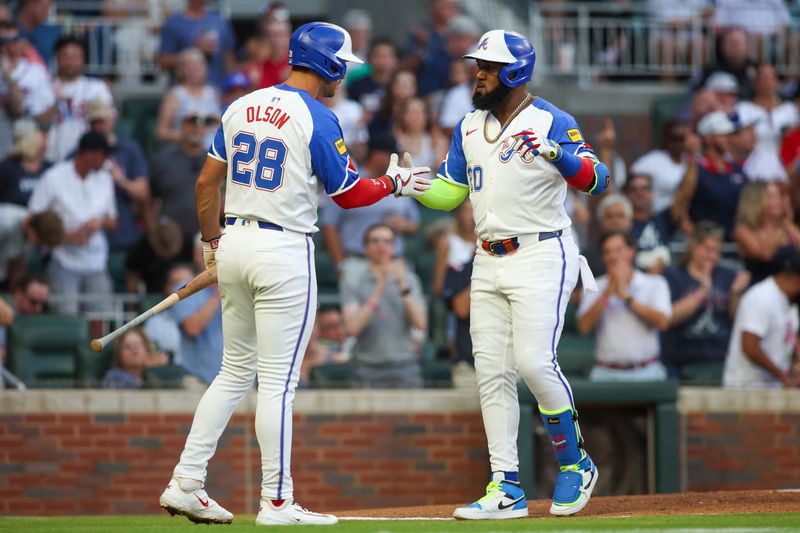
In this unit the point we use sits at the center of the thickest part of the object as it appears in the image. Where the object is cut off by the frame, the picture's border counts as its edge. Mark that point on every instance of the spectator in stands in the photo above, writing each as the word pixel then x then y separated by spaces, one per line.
pixel 725 88
pixel 81 191
pixel 771 116
pixel 667 165
pixel 191 94
pixel 712 184
pixel 29 294
pixel 344 229
pixel 426 51
pixel 369 90
pixel 382 307
pixel 677 38
pixel 31 93
pixel 276 68
pixel 173 171
pixel 452 280
pixel 764 340
pixel 413 133
pixel 162 246
pixel 457 100
pixel 402 87
pixel 163 330
pixel 614 213
pixel 73 91
pixel 607 152
pixel 20 234
pixel 651 230
pixel 790 146
pixel 31 21
pixel 234 87
pixel 763 226
pixel 742 143
pixel 200 321
pixel 21 170
pixel 358 24
pixel 627 314
pixel 766 21
pixel 128 168
pixel 704 299
pixel 732 58
pixel 132 354
pixel 328 345
pixel 462 37
pixel 203 29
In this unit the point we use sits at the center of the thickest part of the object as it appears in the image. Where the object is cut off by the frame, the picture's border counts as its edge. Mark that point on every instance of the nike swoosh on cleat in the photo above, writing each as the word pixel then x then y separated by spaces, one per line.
pixel 501 506
pixel 472 131
pixel 203 503
pixel 586 486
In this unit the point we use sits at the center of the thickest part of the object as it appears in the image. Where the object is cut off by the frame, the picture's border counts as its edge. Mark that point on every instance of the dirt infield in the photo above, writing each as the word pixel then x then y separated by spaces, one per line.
pixel 652 504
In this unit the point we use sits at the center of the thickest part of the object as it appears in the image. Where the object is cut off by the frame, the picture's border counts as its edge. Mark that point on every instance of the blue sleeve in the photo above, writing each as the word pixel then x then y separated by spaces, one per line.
pixel 454 166
pixel 565 132
pixel 186 308
pixel 170 37
pixel 330 160
pixel 138 162
pixel 217 148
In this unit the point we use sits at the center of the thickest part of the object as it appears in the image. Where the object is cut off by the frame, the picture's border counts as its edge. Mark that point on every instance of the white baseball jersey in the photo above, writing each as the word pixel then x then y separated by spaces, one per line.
pixel 766 312
pixel 511 195
pixel 70 122
pixel 279 143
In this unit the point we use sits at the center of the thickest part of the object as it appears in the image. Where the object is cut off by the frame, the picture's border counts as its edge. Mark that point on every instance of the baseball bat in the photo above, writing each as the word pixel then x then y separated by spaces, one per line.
pixel 196 284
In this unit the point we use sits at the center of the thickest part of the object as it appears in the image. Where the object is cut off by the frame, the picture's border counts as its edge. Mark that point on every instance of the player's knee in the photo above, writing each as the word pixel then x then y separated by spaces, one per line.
pixel 534 370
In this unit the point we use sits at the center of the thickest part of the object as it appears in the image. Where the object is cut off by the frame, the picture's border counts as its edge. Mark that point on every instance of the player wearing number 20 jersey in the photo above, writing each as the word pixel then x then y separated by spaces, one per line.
pixel 274 147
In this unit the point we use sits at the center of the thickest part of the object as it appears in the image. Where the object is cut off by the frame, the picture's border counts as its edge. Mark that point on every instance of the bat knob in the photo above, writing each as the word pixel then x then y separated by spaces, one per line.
pixel 97 345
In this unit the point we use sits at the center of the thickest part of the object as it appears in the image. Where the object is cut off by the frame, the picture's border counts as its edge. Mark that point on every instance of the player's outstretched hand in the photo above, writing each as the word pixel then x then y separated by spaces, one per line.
pixel 411 181
pixel 538 144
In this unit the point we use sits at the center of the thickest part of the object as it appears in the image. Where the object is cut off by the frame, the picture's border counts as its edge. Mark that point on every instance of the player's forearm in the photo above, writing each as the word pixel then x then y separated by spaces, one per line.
pixel 365 192
pixel 208 197
pixel 583 173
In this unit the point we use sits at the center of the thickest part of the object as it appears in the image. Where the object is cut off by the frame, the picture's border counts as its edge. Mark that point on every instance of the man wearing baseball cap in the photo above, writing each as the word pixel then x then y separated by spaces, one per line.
pixel 764 336
pixel 712 184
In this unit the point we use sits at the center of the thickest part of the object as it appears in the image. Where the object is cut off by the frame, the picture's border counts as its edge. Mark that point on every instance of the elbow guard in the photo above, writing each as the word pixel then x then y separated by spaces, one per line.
pixel 590 176
pixel 443 195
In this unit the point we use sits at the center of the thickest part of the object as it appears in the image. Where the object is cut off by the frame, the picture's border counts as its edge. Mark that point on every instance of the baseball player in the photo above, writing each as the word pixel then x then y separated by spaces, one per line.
pixel 515 155
pixel 274 146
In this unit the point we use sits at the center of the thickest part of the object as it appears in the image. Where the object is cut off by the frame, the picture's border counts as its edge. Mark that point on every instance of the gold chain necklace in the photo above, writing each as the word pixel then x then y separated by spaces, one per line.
pixel 528 99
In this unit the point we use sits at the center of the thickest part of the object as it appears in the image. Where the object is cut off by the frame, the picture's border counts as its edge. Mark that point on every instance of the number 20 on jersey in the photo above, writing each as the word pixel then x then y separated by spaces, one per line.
pixel 475 178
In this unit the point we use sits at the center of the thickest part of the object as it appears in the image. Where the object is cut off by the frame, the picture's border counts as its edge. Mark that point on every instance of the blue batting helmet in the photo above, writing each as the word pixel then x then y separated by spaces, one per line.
pixel 511 48
pixel 322 47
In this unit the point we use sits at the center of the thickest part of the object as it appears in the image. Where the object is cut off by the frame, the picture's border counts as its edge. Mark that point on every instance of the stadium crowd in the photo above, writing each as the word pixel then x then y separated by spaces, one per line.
pixel 696 249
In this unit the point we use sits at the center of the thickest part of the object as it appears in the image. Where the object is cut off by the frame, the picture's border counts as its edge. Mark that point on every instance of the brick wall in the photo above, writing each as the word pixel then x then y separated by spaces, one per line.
pixel 52 464
pixel 742 450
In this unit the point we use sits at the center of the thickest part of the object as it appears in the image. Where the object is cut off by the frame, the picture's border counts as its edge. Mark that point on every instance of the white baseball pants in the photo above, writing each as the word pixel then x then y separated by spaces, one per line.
pixel 268 289
pixel 516 316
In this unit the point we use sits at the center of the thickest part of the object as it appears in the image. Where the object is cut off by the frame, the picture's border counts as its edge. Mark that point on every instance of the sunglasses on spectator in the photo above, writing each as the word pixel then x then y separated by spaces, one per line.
pixel 35 302
pixel 200 121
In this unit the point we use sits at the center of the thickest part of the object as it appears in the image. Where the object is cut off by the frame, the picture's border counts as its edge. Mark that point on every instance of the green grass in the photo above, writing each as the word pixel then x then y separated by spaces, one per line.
pixel 741 523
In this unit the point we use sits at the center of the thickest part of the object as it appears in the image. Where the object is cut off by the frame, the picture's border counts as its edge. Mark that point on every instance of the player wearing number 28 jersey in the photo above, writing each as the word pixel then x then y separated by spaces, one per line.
pixel 275 147
pixel 515 155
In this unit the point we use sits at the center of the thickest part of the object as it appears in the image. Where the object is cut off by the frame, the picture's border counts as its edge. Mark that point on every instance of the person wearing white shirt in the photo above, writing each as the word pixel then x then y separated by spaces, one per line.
pixel 665 165
pixel 772 117
pixel 764 340
pixel 627 313
pixel 81 192
pixel 73 90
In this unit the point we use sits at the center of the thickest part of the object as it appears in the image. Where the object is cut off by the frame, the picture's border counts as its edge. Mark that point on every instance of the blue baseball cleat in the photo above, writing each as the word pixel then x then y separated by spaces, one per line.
pixel 504 499
pixel 574 486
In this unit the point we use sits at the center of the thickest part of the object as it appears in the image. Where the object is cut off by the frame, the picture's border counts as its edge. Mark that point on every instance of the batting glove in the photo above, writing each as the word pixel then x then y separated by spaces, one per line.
pixel 538 144
pixel 408 181
pixel 209 251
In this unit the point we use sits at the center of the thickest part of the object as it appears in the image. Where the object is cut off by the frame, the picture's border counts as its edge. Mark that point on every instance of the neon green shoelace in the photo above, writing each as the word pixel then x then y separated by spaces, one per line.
pixel 491 490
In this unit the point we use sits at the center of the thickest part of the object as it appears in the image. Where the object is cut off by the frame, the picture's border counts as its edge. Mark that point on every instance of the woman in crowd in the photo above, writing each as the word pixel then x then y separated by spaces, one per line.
pixel 772 116
pixel 25 164
pixel 704 299
pixel 763 224
pixel 132 354
pixel 412 133
pixel 402 87
pixel 192 94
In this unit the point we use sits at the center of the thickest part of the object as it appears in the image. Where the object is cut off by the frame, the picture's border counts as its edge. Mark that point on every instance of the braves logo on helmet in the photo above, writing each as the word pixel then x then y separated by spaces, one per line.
pixel 484 44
